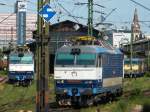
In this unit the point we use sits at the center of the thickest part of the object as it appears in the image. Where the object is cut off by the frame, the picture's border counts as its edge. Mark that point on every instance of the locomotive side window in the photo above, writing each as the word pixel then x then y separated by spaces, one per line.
pixel 105 60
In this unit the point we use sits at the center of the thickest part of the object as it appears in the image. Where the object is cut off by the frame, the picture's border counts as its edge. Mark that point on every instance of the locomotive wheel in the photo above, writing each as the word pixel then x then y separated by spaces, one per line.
pixel 30 82
pixel 90 102
pixel 87 101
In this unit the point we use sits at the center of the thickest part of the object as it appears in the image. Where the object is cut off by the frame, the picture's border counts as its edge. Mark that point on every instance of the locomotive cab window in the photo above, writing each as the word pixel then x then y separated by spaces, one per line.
pixel 86 59
pixel 82 59
pixel 26 59
pixel 64 59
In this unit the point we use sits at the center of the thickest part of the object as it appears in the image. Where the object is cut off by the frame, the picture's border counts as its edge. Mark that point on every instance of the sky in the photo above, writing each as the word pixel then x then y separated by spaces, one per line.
pixel 121 17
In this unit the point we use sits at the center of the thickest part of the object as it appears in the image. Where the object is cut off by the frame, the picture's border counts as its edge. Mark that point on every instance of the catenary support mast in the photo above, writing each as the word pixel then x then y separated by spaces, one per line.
pixel 90 17
pixel 42 62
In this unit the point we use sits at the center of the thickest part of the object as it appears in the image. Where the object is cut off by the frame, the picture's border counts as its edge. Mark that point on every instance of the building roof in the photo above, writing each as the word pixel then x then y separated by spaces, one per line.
pixel 76 26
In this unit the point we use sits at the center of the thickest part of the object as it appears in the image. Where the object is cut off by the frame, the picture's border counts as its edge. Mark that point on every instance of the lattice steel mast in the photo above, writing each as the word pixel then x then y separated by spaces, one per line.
pixel 90 17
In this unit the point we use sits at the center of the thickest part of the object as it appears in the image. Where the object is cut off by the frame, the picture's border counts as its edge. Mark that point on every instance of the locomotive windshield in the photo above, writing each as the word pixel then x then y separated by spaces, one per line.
pixel 86 59
pixel 81 59
pixel 26 59
pixel 64 59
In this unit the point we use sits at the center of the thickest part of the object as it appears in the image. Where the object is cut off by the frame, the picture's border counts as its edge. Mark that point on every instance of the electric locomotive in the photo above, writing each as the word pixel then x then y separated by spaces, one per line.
pixel 85 73
pixel 21 68
pixel 21 60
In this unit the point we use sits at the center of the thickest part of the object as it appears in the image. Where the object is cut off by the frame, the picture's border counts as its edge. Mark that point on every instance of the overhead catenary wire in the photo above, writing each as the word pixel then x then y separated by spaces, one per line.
pixel 7 17
pixel 76 18
pixel 81 3
pixel 64 1
pixel 79 17
pixel 34 3
pixel 68 12
pixel 100 12
pixel 141 5
pixel 129 22
pixel 106 16
pixel 97 11
pixel 12 6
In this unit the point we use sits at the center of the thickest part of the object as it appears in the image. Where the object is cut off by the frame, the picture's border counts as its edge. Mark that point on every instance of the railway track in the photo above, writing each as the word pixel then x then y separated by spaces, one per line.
pixel 129 93
pixel 63 110
pixel 53 107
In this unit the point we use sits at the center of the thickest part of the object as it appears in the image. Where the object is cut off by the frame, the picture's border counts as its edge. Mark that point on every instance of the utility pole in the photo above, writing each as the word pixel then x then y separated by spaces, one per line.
pixel 42 62
pixel 131 50
pixel 148 55
pixel 11 35
pixel 90 17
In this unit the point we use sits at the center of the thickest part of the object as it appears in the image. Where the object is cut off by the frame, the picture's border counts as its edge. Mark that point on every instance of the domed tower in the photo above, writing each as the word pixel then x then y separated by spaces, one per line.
pixel 135 27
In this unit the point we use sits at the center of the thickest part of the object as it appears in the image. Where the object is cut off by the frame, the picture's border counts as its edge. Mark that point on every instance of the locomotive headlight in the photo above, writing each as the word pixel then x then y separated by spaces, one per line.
pixel 65 90
pixel 60 81
pixel 88 82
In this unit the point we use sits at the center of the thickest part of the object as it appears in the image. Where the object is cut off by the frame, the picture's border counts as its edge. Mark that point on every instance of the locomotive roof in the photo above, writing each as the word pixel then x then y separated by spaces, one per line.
pixel 90 49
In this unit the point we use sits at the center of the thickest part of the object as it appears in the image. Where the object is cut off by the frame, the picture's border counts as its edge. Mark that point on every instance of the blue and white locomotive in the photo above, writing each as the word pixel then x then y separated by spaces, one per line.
pixel 21 68
pixel 84 74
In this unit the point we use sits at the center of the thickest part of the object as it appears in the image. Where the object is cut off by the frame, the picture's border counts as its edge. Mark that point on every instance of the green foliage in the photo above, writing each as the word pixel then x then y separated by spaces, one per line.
pixel 13 99
pixel 121 106
pixel 133 87
pixel 147 74
pixel 135 92
pixel 1 54
pixel 3 72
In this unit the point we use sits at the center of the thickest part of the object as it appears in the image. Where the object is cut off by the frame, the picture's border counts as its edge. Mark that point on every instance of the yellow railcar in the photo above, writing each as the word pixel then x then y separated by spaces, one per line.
pixel 138 67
